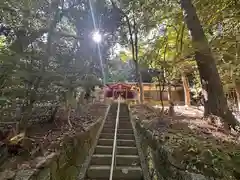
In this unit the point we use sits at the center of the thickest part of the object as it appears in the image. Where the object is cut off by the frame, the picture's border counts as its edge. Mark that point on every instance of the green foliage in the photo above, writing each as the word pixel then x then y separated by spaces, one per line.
pixel 165 42
pixel 221 23
pixel 121 71
pixel 124 56
pixel 3 101
pixel 2 42
pixel 48 52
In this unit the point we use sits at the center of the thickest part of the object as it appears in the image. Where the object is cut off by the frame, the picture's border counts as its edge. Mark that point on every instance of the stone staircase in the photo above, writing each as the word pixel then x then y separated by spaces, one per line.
pixel 127 159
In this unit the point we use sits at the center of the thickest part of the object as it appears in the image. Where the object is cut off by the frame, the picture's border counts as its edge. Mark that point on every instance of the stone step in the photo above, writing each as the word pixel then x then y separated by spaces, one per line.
pixel 120 142
pixel 125 123
pixel 123 119
pixel 120 131
pixel 121 150
pixel 121 160
pixel 120 126
pixel 113 119
pixel 124 126
pixel 120 122
pixel 119 136
pixel 121 172
pixel 108 124
pixel 123 116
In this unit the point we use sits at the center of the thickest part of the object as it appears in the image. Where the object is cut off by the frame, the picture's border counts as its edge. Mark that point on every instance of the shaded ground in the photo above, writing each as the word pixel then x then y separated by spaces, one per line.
pixel 44 137
pixel 195 144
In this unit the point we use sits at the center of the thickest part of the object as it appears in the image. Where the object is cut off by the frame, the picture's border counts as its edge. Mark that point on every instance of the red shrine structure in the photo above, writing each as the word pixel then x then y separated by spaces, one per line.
pixel 126 91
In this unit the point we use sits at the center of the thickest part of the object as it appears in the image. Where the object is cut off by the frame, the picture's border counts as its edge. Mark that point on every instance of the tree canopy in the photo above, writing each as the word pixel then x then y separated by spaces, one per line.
pixel 47 51
pixel 46 47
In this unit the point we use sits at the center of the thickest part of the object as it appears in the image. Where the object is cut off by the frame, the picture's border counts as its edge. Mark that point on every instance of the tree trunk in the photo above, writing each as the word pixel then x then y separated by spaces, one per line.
pixel 170 101
pixel 139 80
pixel 237 88
pixel 161 90
pixel 139 76
pixel 169 94
pixel 133 32
pixel 186 90
pixel 214 99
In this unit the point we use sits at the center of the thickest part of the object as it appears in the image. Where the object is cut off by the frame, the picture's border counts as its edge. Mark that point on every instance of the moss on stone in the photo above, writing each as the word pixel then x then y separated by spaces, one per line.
pixel 67 163
pixel 54 170
pixel 71 173
pixel 25 174
pixel 44 174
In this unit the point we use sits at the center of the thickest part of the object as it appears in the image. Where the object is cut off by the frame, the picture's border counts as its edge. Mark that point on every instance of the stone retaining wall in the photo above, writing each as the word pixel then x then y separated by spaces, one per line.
pixel 160 162
pixel 64 164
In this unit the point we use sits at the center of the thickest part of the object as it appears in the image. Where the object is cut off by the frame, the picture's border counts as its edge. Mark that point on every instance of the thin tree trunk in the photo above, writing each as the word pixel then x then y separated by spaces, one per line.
pixel 133 32
pixel 140 84
pixel 69 110
pixel 171 111
pixel 169 94
pixel 214 99
pixel 161 89
pixel 237 82
pixel 139 76
pixel 237 88
pixel 186 90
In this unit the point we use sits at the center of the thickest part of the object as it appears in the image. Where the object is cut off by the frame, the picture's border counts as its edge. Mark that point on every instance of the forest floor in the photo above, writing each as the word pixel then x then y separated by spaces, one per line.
pixel 197 145
pixel 44 137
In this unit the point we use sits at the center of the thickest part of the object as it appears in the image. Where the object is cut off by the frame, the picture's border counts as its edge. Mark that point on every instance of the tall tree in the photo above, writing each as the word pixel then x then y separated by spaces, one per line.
pixel 131 19
pixel 214 99
pixel 48 49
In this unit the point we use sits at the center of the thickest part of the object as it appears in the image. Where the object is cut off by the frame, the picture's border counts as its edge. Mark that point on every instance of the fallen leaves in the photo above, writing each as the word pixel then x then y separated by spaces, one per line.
pixel 195 144
pixel 45 137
